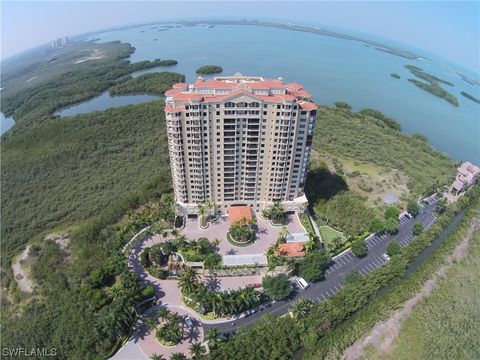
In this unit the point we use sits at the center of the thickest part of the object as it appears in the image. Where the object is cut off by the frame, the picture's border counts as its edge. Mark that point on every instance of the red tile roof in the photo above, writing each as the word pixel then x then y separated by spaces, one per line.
pixel 170 108
pixel 308 106
pixel 180 86
pixel 301 93
pixel 294 86
pixel 290 250
pixel 236 213
pixel 180 91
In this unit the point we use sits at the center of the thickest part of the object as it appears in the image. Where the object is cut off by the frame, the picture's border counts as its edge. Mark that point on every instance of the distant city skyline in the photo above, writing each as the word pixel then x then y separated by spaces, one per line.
pixel 450 30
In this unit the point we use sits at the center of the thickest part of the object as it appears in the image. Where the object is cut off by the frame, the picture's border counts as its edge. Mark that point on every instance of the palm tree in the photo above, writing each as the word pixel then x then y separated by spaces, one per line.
pixel 178 356
pixel 174 317
pixel 213 336
pixel 151 323
pixel 188 280
pixel 197 350
pixel 301 308
pixel 157 357
pixel 173 332
pixel 162 313
pixel 201 297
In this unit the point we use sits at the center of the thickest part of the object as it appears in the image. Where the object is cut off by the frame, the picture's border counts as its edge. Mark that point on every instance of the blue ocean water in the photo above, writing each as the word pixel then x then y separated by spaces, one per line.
pixel 105 101
pixel 331 69
pixel 5 123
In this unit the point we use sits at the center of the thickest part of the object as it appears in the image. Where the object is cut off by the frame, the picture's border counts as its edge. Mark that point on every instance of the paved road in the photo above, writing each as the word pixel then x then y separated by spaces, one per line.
pixel 341 264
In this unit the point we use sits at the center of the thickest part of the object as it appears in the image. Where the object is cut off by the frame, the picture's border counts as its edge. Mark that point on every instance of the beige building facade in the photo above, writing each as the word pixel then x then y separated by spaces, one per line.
pixel 239 140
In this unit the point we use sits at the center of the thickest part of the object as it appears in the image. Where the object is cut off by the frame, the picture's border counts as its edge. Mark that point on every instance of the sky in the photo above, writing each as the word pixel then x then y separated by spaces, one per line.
pixel 450 30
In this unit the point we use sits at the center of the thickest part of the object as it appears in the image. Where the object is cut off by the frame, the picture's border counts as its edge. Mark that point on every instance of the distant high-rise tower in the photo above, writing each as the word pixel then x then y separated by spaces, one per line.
pixel 239 140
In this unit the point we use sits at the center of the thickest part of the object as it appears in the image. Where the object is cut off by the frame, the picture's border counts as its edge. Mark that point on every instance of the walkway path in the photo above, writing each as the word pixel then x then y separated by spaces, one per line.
pixel 24 283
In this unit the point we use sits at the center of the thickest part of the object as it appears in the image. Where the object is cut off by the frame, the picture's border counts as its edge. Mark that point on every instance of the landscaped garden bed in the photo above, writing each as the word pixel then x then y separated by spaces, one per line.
pixel 241 232
pixel 168 327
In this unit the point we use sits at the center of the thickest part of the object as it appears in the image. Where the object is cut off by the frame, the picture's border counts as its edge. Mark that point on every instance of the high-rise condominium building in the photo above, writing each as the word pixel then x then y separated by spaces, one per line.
pixel 239 140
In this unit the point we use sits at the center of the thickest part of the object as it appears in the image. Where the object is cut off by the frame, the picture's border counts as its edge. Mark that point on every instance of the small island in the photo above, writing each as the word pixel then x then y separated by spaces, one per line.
pixel 420 73
pixel 471 97
pixel 146 84
pixel 435 89
pixel 209 69
pixel 395 75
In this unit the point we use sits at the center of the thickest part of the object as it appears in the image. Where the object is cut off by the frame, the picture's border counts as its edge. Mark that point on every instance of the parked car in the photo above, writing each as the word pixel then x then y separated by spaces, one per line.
pixel 408 216
pixel 386 257
pixel 302 284
pixel 189 322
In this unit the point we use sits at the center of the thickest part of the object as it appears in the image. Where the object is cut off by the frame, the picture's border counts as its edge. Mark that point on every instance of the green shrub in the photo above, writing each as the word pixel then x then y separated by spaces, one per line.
pixel 313 265
pixel 277 287
pixel 213 261
pixel 359 248
pixel 413 208
pixel 417 229
pixel 393 248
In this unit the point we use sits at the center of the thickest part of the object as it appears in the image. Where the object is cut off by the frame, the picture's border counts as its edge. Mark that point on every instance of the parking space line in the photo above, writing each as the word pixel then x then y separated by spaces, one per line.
pixel 337 288
pixel 370 266
pixel 364 272
pixel 377 262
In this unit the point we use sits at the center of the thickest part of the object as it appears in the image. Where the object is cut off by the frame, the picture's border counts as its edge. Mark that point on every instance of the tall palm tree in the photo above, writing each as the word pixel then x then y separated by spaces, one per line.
pixel 201 297
pixel 301 308
pixel 151 323
pixel 188 280
pixel 157 357
pixel 175 318
pixel 197 350
pixel 162 313
pixel 178 356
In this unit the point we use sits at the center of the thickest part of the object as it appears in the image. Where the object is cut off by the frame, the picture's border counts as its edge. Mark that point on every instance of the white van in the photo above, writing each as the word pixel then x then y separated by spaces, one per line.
pixel 302 283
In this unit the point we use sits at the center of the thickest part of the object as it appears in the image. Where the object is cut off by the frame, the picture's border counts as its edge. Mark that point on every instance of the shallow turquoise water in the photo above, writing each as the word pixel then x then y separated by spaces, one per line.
pixel 331 69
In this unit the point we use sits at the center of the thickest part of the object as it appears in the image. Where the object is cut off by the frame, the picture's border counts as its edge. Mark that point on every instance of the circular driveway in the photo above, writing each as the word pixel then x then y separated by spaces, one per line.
pixel 149 344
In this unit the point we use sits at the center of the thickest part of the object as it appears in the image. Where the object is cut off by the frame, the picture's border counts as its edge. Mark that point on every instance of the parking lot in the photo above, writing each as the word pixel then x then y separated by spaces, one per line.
pixel 343 263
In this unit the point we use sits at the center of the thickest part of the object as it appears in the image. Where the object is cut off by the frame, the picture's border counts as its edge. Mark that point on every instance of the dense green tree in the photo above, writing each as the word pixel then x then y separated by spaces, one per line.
pixel 393 248
pixel 145 258
pixel 352 277
pixel 359 248
pixel 209 69
pixel 314 264
pixel 277 287
pixel 417 229
pixel 213 337
pixel 392 212
pixel 392 225
pixel 413 208
pixel 376 225
pixel 342 105
pixel 212 261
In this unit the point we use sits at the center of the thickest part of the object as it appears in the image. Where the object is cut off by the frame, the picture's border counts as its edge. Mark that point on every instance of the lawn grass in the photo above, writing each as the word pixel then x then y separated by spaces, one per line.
pixel 328 234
